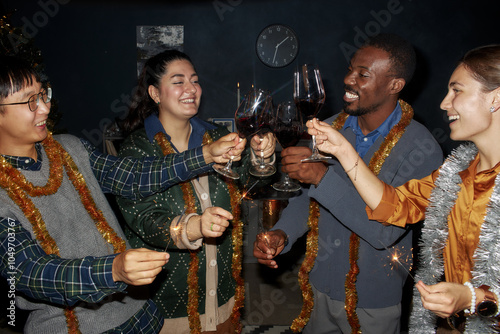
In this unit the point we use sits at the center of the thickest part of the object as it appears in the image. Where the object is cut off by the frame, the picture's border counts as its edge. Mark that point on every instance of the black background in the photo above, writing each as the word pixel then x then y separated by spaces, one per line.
pixel 89 48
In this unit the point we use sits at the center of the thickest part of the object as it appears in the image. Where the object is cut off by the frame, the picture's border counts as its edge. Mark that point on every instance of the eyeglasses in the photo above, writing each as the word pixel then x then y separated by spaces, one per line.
pixel 34 100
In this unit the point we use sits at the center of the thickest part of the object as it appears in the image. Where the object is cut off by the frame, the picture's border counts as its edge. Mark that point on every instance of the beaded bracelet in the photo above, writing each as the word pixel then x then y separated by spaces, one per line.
pixel 472 309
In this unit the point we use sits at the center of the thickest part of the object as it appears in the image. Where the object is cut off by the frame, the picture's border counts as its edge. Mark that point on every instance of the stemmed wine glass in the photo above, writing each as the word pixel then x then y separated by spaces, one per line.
pixel 264 123
pixel 246 120
pixel 309 96
pixel 287 129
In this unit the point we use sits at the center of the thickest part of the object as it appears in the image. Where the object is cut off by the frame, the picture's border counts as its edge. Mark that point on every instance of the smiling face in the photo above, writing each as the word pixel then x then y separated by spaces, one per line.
pixel 368 84
pixel 21 128
pixel 179 92
pixel 467 107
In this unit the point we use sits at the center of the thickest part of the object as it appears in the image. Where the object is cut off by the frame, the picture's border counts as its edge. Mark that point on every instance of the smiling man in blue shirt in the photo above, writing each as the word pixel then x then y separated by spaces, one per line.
pixel 352 281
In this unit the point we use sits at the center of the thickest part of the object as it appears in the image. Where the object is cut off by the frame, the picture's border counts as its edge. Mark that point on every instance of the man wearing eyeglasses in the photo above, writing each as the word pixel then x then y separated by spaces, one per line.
pixel 61 248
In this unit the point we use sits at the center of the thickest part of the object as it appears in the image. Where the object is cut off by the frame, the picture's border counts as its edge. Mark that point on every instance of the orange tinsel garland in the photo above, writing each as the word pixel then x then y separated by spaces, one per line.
pixel 237 240
pixel 23 190
pixel 306 267
pixel 375 166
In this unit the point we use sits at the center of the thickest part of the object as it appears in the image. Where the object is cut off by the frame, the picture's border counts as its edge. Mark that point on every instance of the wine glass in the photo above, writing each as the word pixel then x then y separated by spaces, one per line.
pixel 264 123
pixel 268 216
pixel 287 129
pixel 309 96
pixel 246 120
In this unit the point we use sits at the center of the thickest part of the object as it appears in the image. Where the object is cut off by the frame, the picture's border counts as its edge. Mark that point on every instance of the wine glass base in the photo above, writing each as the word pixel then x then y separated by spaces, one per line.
pixel 286 186
pixel 221 169
pixel 262 170
pixel 316 158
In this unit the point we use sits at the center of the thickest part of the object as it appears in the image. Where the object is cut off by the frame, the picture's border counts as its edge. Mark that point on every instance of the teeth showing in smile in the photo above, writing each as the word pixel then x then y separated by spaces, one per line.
pixel 188 101
pixel 452 118
pixel 351 95
pixel 41 123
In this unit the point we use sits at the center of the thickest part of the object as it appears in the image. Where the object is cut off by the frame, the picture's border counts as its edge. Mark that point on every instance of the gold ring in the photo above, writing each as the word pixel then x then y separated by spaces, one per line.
pixel 211 227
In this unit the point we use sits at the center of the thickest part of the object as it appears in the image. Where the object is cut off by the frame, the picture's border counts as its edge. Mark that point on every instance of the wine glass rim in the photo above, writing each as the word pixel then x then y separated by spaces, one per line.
pixel 309 64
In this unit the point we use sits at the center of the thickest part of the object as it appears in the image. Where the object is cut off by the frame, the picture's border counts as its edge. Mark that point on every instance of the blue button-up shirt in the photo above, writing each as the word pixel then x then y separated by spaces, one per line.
pixel 363 143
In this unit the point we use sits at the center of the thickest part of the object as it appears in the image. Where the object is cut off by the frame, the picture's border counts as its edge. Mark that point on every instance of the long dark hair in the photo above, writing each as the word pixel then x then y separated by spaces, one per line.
pixel 142 104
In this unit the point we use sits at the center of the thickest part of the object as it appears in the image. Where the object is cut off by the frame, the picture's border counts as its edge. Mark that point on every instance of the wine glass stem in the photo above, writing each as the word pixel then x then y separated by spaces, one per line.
pixel 315 151
pixel 261 158
pixel 229 165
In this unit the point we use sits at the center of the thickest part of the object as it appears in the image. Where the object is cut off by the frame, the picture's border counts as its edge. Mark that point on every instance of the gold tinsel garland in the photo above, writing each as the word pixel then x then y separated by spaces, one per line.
pixel 311 253
pixel 237 241
pixel 23 190
pixel 375 166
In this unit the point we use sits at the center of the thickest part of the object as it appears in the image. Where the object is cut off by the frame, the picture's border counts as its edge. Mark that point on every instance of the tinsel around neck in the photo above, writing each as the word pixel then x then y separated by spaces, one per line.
pixel 486 268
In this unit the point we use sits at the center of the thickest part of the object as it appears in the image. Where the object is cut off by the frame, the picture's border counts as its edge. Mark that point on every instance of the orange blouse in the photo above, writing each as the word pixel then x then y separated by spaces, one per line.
pixel 407 203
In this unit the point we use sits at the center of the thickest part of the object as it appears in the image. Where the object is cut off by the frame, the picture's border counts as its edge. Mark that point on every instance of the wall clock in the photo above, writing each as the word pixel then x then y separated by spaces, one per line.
pixel 277 45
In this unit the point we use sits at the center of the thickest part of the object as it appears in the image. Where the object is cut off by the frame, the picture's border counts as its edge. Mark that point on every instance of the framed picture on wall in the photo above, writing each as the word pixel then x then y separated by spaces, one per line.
pixel 152 40
pixel 227 122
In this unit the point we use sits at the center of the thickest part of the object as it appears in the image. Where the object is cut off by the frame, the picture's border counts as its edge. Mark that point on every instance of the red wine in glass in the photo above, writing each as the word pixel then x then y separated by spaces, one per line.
pixel 247 126
pixel 288 130
pixel 288 136
pixel 246 119
pixel 309 107
pixel 264 120
pixel 309 96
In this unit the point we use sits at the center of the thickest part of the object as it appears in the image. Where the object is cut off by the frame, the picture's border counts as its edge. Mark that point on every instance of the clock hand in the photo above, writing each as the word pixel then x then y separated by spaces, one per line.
pixel 283 41
pixel 275 51
pixel 276 47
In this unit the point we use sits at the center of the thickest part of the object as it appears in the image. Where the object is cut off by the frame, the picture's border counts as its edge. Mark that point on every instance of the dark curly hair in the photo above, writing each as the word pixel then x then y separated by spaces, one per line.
pixel 401 54
pixel 142 104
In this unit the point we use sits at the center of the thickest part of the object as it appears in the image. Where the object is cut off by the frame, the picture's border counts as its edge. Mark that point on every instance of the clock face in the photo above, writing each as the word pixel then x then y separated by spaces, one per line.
pixel 277 45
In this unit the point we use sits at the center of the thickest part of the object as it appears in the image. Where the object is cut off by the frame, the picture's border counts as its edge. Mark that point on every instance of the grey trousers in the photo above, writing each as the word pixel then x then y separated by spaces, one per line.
pixel 328 316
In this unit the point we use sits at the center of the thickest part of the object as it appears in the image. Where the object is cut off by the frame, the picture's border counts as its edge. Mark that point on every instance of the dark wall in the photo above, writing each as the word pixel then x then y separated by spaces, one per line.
pixel 89 48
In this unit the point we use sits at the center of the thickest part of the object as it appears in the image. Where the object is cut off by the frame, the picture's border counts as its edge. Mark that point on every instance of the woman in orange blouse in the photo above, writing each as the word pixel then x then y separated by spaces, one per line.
pixel 460 202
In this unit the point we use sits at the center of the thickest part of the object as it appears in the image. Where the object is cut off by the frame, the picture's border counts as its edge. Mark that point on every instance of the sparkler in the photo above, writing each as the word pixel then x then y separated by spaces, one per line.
pixel 246 192
pixel 395 258
pixel 266 238
pixel 176 228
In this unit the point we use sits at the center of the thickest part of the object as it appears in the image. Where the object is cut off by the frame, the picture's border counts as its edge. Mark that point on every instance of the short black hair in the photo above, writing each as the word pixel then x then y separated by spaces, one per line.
pixel 401 53
pixel 15 74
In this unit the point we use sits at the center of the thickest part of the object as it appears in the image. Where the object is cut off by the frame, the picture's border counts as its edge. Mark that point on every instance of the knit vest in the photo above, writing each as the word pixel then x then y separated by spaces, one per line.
pixel 76 236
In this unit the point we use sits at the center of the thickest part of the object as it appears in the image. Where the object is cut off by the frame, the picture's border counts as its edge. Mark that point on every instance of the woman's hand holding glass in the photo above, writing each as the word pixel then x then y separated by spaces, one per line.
pixel 224 149
pixel 328 139
pixel 264 122
pixel 265 144
pixel 247 123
